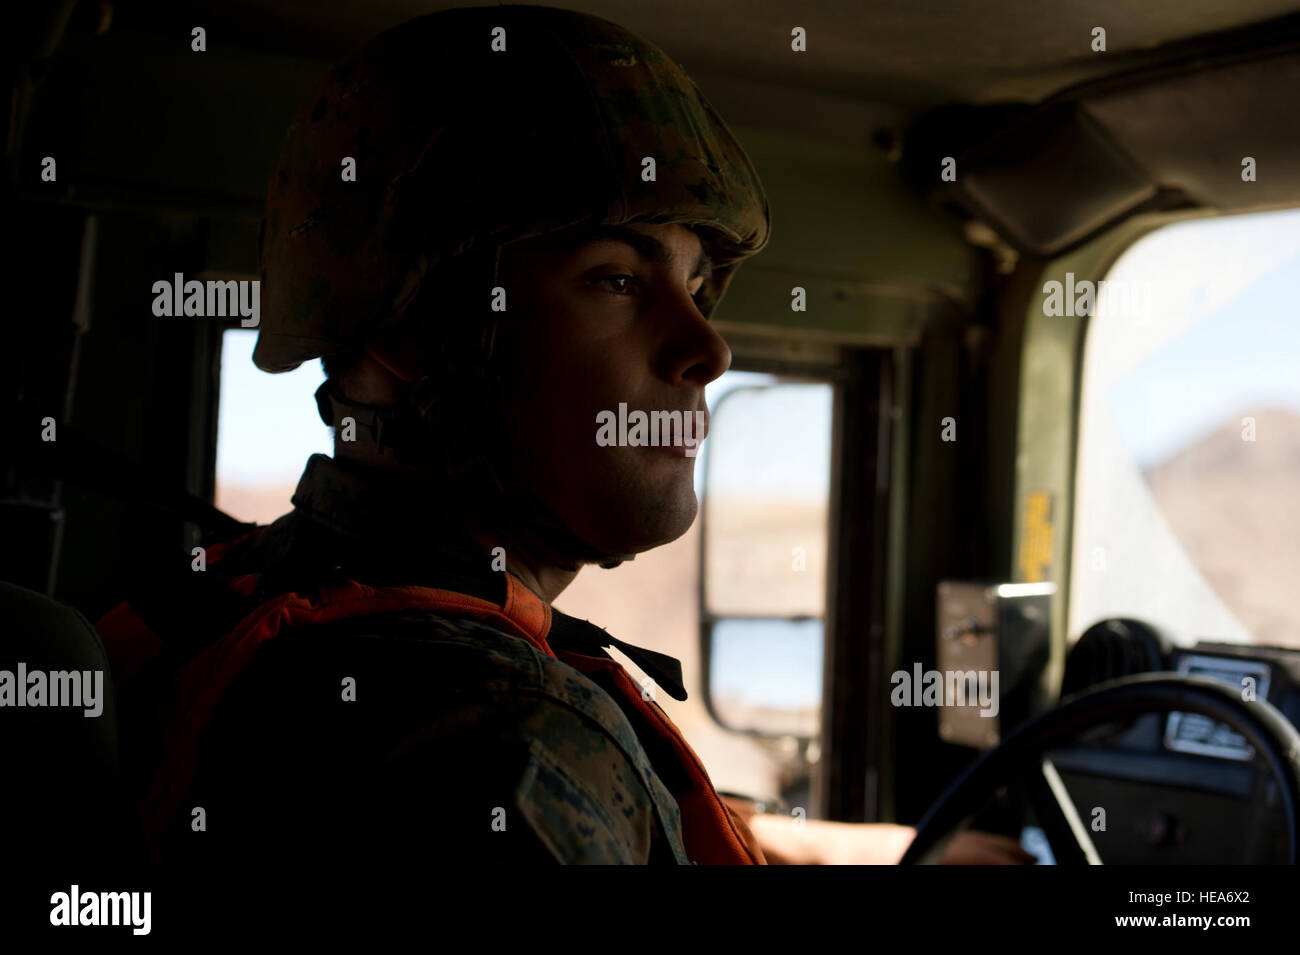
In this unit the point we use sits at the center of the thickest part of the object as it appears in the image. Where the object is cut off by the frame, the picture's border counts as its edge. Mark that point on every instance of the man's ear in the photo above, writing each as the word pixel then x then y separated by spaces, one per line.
pixel 408 352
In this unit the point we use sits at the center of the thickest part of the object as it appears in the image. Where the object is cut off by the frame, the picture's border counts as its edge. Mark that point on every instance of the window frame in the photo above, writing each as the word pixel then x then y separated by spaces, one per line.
pixel 849 779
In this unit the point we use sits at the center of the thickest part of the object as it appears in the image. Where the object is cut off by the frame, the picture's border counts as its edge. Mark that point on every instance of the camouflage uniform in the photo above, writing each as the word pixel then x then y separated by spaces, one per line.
pixel 460 149
pixel 453 721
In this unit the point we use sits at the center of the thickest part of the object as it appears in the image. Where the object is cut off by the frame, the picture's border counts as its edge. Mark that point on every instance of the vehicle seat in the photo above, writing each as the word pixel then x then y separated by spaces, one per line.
pixel 62 801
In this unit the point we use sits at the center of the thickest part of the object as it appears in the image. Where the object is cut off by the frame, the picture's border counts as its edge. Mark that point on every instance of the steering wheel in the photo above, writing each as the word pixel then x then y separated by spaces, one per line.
pixel 1275 741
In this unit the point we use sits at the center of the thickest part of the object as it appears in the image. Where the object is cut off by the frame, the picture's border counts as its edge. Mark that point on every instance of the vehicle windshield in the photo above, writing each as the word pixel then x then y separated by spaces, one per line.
pixel 1188 480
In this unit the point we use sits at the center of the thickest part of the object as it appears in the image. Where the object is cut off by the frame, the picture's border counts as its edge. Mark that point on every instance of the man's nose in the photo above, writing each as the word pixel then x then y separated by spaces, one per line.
pixel 693 351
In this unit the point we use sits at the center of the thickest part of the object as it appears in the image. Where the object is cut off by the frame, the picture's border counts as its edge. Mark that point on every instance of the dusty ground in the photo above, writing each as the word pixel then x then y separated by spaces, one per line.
pixel 1235 506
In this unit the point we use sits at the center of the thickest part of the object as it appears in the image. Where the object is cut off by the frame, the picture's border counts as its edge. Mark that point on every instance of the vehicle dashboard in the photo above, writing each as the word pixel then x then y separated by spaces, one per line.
pixel 1180 788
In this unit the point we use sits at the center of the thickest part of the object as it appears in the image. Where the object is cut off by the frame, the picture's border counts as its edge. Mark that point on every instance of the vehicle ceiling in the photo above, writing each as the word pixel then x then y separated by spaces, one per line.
pixel 885 261
pixel 914 53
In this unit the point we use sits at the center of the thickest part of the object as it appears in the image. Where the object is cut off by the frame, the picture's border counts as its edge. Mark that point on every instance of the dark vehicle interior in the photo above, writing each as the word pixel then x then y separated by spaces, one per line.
pixel 984 471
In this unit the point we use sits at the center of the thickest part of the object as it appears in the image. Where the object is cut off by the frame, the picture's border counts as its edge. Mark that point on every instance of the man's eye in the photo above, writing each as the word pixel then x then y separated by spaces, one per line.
pixel 621 284
pixel 624 284
pixel 702 301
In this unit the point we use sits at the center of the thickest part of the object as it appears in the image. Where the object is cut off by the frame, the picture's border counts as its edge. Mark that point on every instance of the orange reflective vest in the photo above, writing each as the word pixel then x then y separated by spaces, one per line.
pixel 711 832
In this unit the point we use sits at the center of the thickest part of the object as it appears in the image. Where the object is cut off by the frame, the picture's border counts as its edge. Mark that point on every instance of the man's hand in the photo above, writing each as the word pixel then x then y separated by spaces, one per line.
pixel 786 841
pixel 984 848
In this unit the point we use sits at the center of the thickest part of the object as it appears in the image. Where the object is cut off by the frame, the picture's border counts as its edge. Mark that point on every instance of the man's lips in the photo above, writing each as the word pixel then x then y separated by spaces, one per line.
pixel 677 432
pixel 679 447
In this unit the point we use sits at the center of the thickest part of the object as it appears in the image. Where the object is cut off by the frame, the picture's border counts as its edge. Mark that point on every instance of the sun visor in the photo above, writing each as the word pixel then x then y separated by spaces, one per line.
pixel 1052 180
pixel 1197 131
pixel 1050 177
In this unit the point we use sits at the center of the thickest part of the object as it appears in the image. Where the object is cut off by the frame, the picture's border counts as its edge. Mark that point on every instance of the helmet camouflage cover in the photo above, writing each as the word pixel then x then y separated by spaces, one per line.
pixel 470 129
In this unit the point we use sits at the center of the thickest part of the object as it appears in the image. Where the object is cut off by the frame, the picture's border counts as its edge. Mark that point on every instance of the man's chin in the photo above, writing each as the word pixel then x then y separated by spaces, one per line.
pixel 640 530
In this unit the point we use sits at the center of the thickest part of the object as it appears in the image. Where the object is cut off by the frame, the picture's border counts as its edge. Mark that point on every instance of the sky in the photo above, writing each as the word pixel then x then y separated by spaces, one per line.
pixel 267 425
pixel 769 443
pixel 1240 356
pixel 775 663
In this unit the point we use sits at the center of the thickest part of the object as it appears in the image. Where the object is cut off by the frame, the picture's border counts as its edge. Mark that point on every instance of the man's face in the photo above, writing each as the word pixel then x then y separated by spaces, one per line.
pixel 592 323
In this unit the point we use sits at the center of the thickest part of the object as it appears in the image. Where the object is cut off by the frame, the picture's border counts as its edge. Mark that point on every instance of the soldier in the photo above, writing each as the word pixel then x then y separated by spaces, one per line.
pixel 492 225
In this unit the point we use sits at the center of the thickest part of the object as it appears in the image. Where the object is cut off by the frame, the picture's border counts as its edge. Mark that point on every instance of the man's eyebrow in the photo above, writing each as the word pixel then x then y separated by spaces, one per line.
pixel 647 246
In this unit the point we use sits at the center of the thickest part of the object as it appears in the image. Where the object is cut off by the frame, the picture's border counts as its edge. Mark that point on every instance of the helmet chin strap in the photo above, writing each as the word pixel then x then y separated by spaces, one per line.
pixel 404 432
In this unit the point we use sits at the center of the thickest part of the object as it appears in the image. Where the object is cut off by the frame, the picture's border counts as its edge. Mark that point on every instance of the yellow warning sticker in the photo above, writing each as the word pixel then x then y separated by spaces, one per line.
pixel 1036 537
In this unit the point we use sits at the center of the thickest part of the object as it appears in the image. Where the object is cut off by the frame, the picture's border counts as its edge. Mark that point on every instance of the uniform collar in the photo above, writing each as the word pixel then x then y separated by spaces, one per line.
pixel 363 506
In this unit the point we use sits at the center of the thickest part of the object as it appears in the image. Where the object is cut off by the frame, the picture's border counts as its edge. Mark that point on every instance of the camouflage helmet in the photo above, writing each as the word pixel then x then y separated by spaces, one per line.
pixel 470 129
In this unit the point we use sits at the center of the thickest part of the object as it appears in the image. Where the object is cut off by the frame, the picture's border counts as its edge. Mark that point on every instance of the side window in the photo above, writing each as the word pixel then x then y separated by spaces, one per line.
pixel 759 594
pixel 763 596
pixel 1189 441
pixel 267 427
